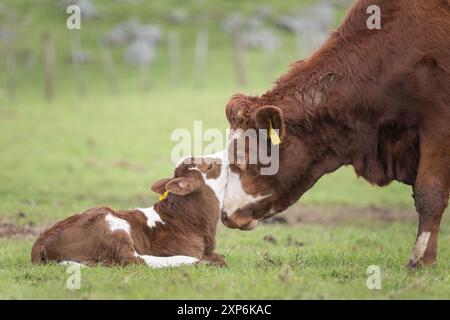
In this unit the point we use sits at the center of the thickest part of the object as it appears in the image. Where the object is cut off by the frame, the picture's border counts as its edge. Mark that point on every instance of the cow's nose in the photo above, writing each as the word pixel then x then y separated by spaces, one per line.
pixel 239 221
pixel 226 221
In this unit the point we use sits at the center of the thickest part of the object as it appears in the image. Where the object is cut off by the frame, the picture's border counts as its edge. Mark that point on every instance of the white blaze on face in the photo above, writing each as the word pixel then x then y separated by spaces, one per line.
pixel 235 195
pixel 152 216
pixel 421 246
pixel 218 184
pixel 116 224
pixel 236 145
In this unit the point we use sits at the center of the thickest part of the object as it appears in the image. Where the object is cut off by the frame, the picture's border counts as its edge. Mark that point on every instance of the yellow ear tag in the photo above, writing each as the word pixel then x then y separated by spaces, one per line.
pixel 274 137
pixel 163 196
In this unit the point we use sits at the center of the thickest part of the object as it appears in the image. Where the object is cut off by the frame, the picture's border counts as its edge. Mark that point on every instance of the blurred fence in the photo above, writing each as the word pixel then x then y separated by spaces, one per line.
pixel 140 44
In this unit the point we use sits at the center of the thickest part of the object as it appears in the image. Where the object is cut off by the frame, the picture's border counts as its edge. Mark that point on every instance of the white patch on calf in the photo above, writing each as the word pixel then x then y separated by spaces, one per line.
pixel 235 196
pixel 116 224
pixel 152 216
pixel 164 262
pixel 421 246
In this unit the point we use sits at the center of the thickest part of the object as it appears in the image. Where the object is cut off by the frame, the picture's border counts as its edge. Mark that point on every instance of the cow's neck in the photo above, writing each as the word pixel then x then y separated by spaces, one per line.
pixel 330 145
pixel 318 98
pixel 339 112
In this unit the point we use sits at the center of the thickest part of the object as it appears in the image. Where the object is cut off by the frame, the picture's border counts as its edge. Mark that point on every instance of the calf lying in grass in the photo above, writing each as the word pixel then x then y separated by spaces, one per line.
pixel 179 229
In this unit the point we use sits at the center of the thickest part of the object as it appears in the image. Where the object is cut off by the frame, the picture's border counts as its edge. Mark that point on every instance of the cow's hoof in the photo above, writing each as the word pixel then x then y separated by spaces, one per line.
pixel 413 265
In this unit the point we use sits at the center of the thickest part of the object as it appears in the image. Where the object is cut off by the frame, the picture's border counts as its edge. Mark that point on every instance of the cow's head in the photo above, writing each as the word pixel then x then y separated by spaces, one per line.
pixel 250 194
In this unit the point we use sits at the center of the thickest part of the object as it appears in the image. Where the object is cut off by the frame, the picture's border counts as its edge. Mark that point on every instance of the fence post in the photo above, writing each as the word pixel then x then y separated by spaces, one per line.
pixel 144 70
pixel 49 65
pixel 201 56
pixel 10 68
pixel 174 57
pixel 107 59
pixel 75 48
pixel 239 59
pixel 268 61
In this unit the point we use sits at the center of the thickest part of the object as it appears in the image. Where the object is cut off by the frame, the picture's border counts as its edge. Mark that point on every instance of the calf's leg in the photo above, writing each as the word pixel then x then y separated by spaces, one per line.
pixel 120 249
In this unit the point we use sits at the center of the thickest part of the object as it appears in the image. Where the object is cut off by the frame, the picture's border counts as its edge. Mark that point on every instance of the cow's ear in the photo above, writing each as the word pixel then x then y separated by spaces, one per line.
pixel 238 110
pixel 268 117
pixel 159 186
pixel 183 186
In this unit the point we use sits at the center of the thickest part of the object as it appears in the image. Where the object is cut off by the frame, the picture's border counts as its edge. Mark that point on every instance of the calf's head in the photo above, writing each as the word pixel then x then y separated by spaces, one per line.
pixel 201 178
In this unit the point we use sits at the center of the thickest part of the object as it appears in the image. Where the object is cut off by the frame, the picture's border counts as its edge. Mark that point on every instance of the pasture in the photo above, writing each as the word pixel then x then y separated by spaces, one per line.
pixel 63 156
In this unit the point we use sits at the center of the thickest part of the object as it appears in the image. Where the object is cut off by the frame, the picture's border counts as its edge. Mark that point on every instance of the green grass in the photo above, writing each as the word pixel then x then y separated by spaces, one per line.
pixel 63 156
pixel 331 264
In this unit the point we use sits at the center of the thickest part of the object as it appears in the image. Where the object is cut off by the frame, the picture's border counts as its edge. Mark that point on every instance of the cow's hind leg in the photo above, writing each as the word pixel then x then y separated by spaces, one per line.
pixel 431 193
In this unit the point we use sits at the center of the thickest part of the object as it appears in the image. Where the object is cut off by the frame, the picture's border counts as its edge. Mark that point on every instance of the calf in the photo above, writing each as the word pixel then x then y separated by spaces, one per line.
pixel 179 229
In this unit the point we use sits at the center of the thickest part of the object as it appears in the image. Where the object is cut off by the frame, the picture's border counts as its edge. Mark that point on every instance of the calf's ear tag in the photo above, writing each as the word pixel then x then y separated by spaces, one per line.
pixel 273 134
pixel 163 196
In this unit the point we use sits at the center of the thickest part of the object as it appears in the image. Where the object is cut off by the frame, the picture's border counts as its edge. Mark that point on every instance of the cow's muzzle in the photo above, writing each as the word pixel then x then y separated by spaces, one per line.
pixel 239 221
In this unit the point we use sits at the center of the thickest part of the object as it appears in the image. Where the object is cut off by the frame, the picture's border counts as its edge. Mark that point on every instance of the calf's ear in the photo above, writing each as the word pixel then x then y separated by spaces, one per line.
pixel 159 186
pixel 183 186
pixel 270 116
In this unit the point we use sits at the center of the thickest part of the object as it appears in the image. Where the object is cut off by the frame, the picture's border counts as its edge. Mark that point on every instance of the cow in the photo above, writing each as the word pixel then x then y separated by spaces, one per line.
pixel 178 230
pixel 378 100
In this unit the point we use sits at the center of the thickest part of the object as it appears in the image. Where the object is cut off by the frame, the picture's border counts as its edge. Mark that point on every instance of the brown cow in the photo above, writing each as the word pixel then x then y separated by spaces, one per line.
pixel 375 99
pixel 179 229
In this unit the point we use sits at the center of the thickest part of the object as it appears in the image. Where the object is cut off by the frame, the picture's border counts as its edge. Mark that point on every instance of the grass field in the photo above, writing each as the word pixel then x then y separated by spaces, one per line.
pixel 63 156
pixel 331 264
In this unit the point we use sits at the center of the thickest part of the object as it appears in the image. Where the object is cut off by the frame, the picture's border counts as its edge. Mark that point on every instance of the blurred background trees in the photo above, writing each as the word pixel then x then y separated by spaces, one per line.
pixel 136 45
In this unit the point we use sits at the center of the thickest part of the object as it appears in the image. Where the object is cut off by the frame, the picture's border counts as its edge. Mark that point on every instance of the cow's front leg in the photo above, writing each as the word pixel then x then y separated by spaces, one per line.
pixel 431 200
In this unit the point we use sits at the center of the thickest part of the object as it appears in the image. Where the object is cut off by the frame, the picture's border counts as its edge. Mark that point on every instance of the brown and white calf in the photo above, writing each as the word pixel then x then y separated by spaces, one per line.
pixel 178 230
